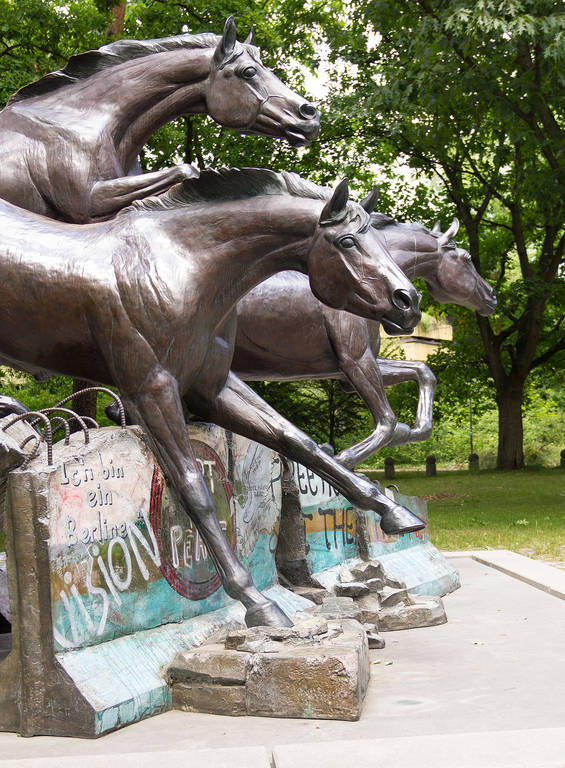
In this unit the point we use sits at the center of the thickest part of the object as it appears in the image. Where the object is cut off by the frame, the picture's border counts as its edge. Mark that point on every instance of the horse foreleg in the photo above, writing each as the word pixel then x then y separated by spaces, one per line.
pixel 398 371
pixel 157 407
pixel 237 407
pixel 112 195
pixel 365 377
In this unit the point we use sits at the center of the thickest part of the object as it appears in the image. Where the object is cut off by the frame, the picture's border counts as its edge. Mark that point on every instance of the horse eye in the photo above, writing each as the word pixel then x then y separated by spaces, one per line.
pixel 347 242
pixel 249 73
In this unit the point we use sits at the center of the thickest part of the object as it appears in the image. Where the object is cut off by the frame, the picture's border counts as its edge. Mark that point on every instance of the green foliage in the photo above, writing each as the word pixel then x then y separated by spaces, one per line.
pixel 37 36
pixel 37 395
pixel 453 106
pixel 450 441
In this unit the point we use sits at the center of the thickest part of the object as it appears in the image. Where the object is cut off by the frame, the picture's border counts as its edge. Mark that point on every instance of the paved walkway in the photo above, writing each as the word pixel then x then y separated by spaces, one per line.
pixel 483 691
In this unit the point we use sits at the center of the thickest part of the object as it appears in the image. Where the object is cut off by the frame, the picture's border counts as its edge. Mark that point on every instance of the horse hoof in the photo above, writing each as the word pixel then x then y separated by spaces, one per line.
pixel 400 520
pixel 267 615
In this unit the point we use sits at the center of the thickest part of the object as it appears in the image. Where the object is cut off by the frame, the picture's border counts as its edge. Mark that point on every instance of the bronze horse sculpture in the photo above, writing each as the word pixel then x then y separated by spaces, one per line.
pixel 285 334
pixel 120 302
pixel 69 142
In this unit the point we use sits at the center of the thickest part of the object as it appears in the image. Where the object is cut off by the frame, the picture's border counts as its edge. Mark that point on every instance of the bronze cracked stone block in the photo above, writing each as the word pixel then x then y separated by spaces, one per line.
pixel 210 664
pixel 427 612
pixel 306 682
pixel 212 699
pixel 316 669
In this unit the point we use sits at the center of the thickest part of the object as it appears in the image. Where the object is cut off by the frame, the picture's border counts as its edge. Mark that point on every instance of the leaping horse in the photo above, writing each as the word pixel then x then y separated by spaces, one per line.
pixel 120 302
pixel 285 334
pixel 69 141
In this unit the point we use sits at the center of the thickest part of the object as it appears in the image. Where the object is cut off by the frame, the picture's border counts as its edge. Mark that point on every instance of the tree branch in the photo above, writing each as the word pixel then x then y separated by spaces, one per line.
pixel 549 353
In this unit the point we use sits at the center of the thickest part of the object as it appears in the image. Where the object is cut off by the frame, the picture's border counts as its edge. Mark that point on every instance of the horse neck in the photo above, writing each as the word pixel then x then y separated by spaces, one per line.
pixel 133 99
pixel 258 238
pixel 178 89
pixel 416 252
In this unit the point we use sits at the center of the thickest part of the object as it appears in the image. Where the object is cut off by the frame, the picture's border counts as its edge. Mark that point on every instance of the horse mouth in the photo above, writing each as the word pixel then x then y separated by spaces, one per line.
pixel 300 135
pixel 489 306
pixel 393 329
pixel 296 139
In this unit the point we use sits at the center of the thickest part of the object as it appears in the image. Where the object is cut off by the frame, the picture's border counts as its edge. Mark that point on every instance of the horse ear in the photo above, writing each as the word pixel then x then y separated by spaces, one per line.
pixel 228 40
pixel 335 209
pixel 249 39
pixel 451 232
pixel 437 227
pixel 371 200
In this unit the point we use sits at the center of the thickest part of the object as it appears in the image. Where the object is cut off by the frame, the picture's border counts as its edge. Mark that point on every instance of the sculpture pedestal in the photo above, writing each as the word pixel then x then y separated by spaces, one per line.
pixel 108 579
pixel 317 669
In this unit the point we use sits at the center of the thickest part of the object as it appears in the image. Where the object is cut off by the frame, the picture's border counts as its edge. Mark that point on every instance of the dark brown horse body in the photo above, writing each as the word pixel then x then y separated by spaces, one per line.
pixel 69 140
pixel 285 334
pixel 120 302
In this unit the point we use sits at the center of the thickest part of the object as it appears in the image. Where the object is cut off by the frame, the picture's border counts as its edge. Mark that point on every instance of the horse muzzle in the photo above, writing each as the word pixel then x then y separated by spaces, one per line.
pixel 302 133
pixel 405 313
pixel 489 305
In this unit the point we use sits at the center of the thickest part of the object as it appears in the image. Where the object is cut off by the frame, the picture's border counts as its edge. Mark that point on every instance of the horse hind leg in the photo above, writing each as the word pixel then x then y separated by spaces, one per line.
pixel 239 408
pixel 157 407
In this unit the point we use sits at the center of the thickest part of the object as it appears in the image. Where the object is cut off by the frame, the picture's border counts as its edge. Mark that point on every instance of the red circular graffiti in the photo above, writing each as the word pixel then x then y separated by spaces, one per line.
pixel 193 590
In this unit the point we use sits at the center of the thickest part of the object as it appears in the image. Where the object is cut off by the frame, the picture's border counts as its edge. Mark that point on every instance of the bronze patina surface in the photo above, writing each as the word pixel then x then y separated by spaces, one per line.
pixel 120 302
pixel 69 142
pixel 285 334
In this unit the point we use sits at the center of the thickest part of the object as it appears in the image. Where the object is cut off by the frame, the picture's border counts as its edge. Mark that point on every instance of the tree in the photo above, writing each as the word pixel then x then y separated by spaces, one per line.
pixel 473 93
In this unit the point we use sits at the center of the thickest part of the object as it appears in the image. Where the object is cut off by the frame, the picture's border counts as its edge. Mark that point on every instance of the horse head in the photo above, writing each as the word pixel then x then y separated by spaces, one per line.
pixel 243 94
pixel 455 279
pixel 350 267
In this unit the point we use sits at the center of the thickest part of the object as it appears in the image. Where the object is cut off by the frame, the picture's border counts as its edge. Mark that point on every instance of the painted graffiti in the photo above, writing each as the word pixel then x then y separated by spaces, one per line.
pixel 186 564
pixel 336 521
pixel 125 556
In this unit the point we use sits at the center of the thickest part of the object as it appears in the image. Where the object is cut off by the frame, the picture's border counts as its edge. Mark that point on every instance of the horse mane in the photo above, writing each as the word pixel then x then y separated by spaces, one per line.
pixel 382 221
pixel 89 63
pixel 231 184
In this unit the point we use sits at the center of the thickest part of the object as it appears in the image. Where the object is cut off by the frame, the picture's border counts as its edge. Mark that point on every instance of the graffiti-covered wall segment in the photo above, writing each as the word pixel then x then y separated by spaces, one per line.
pixel 124 556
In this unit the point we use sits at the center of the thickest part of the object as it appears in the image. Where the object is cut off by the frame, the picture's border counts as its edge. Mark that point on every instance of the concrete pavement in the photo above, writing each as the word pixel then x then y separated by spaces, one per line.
pixel 483 690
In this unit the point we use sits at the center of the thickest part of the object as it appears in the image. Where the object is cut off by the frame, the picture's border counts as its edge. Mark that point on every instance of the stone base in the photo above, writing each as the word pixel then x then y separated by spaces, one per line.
pixel 418 612
pixel 317 669
pixel 385 607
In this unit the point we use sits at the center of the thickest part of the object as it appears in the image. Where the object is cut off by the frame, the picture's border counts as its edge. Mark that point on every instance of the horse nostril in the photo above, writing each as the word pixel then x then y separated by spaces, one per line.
pixel 307 111
pixel 401 299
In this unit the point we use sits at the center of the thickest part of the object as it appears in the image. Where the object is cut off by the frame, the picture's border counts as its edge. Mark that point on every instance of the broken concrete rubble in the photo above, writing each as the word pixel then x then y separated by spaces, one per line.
pixel 317 669
pixel 351 589
pixel 384 605
pixel 426 612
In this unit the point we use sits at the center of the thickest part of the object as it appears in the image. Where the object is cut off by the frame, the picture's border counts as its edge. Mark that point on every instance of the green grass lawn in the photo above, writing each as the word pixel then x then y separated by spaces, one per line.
pixel 498 510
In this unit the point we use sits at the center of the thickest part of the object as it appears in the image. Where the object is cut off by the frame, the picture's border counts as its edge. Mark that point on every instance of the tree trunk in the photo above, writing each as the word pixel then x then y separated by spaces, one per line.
pixel 510 427
pixel 117 25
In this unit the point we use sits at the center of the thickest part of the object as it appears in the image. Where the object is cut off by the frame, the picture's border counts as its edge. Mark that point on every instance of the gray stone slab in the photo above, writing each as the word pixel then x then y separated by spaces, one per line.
pixel 247 757
pixel 503 749
pixel 423 613
pixel 532 572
